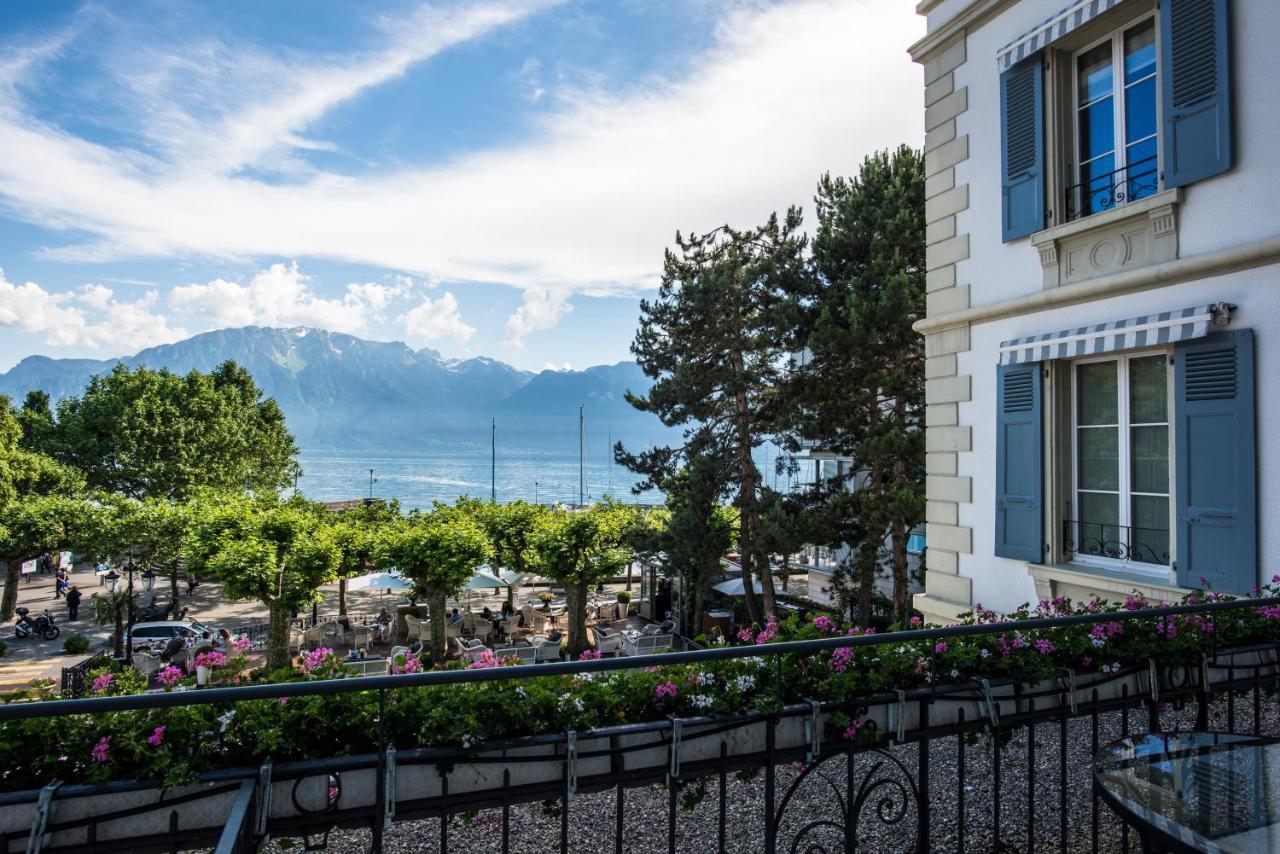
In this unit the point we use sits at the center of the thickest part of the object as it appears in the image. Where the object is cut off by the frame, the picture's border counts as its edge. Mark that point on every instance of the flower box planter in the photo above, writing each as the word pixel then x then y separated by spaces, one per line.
pixel 124 811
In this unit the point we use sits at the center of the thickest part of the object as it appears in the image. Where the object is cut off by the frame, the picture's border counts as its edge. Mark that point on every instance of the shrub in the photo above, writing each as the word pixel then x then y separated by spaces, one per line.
pixel 624 596
pixel 76 644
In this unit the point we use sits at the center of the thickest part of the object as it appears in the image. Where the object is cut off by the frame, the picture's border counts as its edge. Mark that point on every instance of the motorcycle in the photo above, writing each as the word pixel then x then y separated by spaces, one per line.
pixel 42 625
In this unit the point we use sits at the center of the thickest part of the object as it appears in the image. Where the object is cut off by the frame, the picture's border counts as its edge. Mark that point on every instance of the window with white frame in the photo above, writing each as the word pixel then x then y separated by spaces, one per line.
pixel 1121 453
pixel 1116 123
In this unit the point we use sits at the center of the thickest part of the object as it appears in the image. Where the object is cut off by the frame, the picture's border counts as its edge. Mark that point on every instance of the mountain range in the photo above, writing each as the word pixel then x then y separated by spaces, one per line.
pixel 340 391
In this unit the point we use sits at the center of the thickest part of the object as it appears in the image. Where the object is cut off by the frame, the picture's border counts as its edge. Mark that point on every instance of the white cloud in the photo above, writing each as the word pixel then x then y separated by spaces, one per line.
pixel 539 309
pixel 282 295
pixel 432 320
pixel 90 318
pixel 588 202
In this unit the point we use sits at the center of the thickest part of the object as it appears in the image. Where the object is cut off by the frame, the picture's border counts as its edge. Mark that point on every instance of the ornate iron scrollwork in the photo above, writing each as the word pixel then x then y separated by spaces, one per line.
pixel 887 788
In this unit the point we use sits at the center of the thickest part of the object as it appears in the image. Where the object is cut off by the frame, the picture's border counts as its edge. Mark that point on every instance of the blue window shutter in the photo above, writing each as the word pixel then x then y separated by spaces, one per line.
pixel 1215 463
pixel 1195 89
pixel 1019 462
pixel 1022 148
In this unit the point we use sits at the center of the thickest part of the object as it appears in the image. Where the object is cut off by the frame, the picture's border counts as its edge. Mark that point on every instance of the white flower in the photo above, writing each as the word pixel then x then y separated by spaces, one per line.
pixel 745 683
pixel 701 701
pixel 1098 642
pixel 466 741
pixel 902 649
pixel 520 692
pixel 986 653
pixel 225 719
pixel 954 673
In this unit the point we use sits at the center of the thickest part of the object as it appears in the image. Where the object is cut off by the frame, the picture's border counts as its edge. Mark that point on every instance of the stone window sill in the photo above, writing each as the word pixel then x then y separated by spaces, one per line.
pixel 1076 580
pixel 1134 235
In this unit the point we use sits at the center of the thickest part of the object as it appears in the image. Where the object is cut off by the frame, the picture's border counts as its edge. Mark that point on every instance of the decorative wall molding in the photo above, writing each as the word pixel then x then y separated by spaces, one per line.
pixel 1130 237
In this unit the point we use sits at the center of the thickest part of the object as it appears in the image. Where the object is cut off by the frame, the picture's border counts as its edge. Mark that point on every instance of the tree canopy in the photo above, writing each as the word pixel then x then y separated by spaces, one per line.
pixel 143 432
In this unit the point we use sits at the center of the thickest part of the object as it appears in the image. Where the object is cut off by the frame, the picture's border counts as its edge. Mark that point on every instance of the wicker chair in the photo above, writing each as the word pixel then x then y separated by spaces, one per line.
pixel 146 663
pixel 608 641
pixel 470 650
pixel 534 620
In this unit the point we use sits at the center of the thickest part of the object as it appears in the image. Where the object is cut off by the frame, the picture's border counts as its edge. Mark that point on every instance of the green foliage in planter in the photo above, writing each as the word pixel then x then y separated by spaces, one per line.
pixel 75 645
pixel 200 738
pixel 624 597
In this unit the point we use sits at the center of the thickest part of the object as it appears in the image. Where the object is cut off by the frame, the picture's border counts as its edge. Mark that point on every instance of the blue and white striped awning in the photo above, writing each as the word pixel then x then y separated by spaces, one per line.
pixel 1076 15
pixel 1147 331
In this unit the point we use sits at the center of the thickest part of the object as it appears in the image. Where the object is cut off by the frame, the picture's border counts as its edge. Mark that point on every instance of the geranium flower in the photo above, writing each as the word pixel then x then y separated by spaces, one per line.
pixel 102 684
pixel 102 750
pixel 666 689
pixel 157 736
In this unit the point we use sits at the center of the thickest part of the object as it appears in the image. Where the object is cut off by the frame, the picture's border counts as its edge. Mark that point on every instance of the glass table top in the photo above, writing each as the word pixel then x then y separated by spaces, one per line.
pixel 1197 791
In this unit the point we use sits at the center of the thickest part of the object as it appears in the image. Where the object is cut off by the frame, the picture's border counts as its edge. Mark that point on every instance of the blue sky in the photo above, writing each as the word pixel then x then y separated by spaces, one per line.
pixel 486 178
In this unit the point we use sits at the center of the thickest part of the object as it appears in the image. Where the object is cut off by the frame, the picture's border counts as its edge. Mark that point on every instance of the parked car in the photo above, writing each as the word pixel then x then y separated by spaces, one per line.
pixel 161 632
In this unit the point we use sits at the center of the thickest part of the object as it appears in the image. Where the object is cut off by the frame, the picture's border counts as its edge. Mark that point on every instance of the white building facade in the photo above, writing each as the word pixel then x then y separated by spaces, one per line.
pixel 1103 205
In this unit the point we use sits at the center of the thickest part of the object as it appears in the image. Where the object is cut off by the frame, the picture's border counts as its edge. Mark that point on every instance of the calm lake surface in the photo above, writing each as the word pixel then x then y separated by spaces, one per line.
pixel 420 477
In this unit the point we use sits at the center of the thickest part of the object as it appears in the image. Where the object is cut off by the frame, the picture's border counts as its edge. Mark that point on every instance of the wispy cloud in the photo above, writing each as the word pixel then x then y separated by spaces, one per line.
pixel 539 309
pixel 586 204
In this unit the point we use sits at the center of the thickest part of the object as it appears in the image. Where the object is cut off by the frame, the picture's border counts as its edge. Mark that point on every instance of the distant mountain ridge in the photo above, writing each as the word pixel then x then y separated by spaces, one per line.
pixel 337 390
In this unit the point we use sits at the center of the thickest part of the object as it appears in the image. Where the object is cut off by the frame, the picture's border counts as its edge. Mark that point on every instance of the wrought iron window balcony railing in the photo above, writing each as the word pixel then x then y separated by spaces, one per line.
pixel 1117 542
pixel 1104 192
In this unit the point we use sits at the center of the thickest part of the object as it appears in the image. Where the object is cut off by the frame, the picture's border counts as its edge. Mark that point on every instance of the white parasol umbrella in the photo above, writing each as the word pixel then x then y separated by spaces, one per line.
pixel 735 587
pixel 383 581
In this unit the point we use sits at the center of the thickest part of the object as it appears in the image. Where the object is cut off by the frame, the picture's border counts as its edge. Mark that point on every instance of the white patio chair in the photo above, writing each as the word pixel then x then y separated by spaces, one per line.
pixel 146 663
pixel 362 634
pixel 548 650
pixel 469 649
pixel 608 642
pixel 372 667
pixel 413 625
pixel 525 654
pixel 534 620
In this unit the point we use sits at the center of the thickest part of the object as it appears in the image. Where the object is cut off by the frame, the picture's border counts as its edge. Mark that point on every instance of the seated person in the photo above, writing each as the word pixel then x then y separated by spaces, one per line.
pixel 486 613
pixel 173 647
pixel 507 610
pixel 455 617
pixel 384 616
pixel 554 636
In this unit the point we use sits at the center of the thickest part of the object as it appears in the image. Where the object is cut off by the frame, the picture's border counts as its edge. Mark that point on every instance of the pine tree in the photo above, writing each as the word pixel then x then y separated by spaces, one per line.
pixel 860 392
pixel 715 342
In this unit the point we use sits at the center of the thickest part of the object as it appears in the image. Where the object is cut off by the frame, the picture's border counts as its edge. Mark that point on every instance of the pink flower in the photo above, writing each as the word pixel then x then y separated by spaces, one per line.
pixel 940 647
pixel 1086 660
pixel 744 635
pixel 1044 646
pixel 103 683
pixel 823 623
pixel 410 664
pixel 917 621
pixel 102 749
pixel 840 659
pixel 666 689
pixel 589 655
pixel 312 661
pixel 851 731
pixel 169 676
pixel 213 658
pixel 241 644
pixel 484 661
pixel 157 736
pixel 768 632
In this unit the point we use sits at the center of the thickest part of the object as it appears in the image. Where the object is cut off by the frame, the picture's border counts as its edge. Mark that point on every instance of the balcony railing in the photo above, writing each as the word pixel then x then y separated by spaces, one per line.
pixel 1117 542
pixel 955 766
pixel 1104 192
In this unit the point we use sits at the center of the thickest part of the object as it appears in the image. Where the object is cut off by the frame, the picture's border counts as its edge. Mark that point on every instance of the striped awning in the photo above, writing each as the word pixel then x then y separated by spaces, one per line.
pixel 1076 15
pixel 1146 331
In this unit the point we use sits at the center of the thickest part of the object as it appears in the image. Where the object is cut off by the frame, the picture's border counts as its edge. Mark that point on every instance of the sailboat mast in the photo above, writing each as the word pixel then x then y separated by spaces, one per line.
pixel 582 459
pixel 493 460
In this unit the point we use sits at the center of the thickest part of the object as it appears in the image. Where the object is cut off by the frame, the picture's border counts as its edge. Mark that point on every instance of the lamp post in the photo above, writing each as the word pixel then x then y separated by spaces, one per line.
pixel 128 643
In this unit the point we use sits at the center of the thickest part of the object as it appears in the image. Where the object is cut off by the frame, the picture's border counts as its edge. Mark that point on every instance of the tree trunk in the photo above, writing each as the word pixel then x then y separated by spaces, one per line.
pixel 901 601
pixel 117 636
pixel 747 473
pixel 866 587
pixel 277 637
pixel 342 597
pixel 12 575
pixel 766 586
pixel 576 596
pixel 173 589
pixel 438 613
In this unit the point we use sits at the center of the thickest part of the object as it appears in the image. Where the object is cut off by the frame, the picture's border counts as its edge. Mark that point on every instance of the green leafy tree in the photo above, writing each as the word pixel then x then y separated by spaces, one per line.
pixel 39 502
pixel 355 533
pixel 715 342
pixel 440 551
pixel 36 420
pixel 579 549
pixel 699 531
pixel 278 553
pixel 509 527
pixel 142 432
pixel 861 391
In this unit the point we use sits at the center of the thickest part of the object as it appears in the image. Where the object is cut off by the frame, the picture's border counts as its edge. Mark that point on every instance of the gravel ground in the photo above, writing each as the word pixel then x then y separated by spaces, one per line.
pixel 535 828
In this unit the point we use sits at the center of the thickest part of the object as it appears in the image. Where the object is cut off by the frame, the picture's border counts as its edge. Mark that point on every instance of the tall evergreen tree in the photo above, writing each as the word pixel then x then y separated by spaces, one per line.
pixel 714 342
pixel 860 392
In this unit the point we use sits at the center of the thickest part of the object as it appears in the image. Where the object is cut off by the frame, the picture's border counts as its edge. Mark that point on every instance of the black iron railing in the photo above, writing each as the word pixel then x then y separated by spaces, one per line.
pixel 1104 192
pixel 73 677
pixel 1013 775
pixel 1118 542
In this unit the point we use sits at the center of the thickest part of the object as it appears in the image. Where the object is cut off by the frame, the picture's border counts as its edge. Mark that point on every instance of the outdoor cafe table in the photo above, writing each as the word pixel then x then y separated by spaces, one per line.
pixel 1194 791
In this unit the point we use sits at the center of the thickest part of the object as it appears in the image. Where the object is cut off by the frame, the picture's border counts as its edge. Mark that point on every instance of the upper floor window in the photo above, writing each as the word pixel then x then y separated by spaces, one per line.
pixel 1109 103
pixel 1115 119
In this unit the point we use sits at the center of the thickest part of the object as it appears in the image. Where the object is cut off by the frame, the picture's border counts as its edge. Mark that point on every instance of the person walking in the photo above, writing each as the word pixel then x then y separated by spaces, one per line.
pixel 73 602
pixel 60 584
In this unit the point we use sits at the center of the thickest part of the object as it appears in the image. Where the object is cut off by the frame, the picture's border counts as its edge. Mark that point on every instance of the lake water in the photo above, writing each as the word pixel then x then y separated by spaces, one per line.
pixel 417 478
